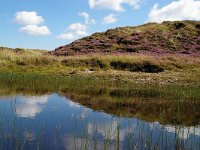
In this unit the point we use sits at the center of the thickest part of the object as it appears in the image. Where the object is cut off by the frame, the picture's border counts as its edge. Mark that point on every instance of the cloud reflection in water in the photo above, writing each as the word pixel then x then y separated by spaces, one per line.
pixel 30 106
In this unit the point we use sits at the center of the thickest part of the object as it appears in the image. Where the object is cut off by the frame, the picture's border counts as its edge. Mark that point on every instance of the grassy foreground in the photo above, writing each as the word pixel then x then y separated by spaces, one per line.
pixel 138 68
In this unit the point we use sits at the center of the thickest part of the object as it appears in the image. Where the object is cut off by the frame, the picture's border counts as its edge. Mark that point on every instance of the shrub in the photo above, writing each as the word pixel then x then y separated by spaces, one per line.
pixel 179 25
pixel 21 63
pixel 97 63
pixel 197 26
pixel 94 63
pixel 136 67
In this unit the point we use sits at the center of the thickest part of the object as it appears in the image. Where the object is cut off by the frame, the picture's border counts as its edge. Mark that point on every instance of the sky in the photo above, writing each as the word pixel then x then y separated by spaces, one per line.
pixel 48 24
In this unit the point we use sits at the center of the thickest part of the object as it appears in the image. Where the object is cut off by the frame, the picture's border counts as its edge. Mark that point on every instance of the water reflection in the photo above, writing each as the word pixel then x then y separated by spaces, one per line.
pixel 85 121
pixel 167 111
pixel 30 106
pixel 29 135
pixel 182 132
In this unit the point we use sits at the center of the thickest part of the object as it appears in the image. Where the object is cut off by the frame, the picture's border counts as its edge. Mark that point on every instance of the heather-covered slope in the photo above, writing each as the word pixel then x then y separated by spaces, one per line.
pixel 167 37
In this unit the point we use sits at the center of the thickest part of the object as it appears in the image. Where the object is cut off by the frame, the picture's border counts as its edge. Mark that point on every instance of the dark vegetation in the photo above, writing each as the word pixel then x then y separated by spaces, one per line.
pixel 134 67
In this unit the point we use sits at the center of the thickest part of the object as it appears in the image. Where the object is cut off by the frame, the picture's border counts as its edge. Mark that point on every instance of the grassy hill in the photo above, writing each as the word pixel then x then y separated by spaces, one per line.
pixel 168 37
pixel 167 53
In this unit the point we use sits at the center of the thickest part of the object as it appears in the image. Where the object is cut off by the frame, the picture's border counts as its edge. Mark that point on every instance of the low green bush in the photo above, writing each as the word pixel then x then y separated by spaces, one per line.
pixel 136 67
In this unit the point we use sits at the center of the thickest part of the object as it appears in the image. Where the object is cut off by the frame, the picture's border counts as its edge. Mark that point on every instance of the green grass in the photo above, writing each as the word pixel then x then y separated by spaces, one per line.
pixel 169 69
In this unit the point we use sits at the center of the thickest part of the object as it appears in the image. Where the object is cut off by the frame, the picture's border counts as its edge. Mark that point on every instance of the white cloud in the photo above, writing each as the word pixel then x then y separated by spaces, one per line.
pixel 88 20
pixel 81 33
pixel 114 4
pixel 66 36
pixel 35 30
pixel 31 22
pixel 111 18
pixel 176 10
pixel 77 26
pixel 28 18
pixel 77 30
pixel 74 31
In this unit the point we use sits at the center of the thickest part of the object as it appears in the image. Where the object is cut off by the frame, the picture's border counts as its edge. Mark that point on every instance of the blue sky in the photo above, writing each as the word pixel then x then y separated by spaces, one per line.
pixel 47 24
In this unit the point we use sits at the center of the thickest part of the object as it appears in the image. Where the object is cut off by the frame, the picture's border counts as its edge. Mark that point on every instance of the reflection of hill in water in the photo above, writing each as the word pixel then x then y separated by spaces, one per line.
pixel 168 105
pixel 185 112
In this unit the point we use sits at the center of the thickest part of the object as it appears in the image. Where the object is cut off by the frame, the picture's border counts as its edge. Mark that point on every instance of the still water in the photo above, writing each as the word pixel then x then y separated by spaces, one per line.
pixel 99 117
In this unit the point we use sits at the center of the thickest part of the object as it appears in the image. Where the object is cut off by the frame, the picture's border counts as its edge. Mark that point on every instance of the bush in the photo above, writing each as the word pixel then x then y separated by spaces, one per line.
pixel 136 67
pixel 197 26
pixel 21 63
pixel 93 63
pixel 179 25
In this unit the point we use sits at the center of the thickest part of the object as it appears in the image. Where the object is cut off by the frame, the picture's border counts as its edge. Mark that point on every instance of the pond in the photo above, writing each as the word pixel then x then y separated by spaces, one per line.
pixel 77 115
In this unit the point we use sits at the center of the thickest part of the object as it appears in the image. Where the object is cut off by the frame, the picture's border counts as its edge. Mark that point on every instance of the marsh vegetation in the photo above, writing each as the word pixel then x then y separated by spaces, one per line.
pixel 41 112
